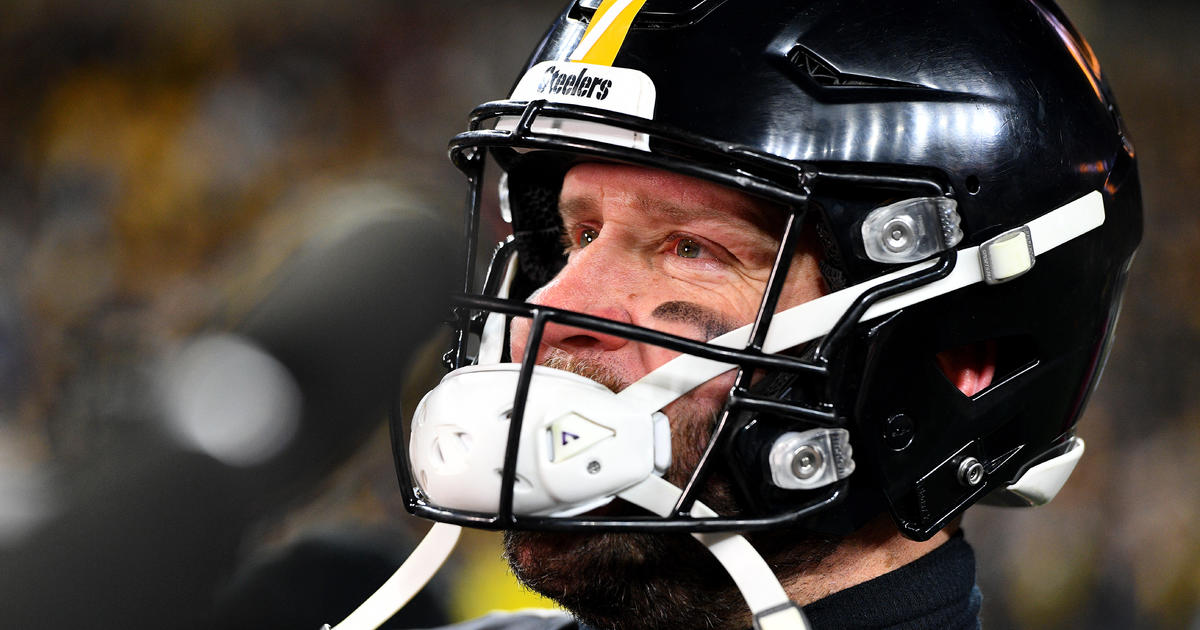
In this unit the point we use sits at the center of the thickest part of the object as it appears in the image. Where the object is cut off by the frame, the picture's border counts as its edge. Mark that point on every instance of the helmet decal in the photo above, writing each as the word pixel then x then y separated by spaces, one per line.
pixel 606 32
pixel 621 90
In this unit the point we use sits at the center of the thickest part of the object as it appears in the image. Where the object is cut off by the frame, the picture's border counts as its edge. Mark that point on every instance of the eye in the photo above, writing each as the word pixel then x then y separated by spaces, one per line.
pixel 586 236
pixel 688 248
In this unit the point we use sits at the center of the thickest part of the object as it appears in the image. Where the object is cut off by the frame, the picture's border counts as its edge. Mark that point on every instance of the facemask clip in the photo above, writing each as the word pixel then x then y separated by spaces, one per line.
pixel 811 459
pixel 911 230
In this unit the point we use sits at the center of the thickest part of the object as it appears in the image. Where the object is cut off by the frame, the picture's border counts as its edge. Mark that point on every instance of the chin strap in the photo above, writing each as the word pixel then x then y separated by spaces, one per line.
pixel 768 602
pixel 410 578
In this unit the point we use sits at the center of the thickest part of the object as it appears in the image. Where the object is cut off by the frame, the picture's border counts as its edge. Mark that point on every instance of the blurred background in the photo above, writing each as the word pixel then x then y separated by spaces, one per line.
pixel 238 209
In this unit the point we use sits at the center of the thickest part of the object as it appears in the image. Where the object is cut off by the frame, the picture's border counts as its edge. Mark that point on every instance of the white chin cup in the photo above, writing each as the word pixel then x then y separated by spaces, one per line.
pixel 580 443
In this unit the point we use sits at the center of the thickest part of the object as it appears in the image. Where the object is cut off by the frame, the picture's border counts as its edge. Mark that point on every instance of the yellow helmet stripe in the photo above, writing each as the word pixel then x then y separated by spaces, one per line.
pixel 606 33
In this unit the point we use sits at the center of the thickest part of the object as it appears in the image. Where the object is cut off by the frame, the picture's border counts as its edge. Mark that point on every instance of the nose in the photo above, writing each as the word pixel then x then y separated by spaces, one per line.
pixel 590 283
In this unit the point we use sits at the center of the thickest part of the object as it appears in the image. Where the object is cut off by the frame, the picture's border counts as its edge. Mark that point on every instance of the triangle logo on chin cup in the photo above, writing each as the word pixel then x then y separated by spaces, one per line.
pixel 573 434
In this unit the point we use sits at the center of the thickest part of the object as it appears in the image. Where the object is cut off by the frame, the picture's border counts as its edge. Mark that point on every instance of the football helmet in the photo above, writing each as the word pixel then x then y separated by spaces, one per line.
pixel 970 183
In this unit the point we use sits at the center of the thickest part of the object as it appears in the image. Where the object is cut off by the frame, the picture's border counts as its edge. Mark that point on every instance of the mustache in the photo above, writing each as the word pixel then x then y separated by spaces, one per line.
pixel 713 324
pixel 587 368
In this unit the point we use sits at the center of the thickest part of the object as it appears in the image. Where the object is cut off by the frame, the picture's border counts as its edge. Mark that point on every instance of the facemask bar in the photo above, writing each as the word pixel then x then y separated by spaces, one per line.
pixel 784 182
pixel 760 174
pixel 540 316
pixel 749 359
pixel 757 173
pixel 741 400
pixel 467 152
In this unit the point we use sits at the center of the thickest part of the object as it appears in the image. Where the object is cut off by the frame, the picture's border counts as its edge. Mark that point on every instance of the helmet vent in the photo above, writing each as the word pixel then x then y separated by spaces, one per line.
pixel 656 14
pixel 825 75
pixel 821 72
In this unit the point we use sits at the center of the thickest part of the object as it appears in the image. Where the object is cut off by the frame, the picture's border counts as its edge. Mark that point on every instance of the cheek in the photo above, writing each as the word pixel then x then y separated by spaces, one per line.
pixel 704 402
pixel 805 282
pixel 713 393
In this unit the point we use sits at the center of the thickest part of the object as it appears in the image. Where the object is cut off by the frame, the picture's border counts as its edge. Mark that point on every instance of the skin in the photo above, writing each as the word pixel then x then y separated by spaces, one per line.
pixel 691 258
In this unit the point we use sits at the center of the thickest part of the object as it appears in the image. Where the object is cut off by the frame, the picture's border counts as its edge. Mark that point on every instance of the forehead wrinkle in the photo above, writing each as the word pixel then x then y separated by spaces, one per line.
pixel 752 229
pixel 690 203
pixel 692 206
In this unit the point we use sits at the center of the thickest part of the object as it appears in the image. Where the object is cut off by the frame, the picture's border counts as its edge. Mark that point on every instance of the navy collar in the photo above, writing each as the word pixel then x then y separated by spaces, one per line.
pixel 935 591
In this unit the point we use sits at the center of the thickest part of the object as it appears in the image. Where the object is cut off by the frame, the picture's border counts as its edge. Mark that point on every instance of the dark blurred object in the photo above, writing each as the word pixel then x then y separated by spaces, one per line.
pixel 322 576
pixel 344 319
pixel 140 543
pixel 148 532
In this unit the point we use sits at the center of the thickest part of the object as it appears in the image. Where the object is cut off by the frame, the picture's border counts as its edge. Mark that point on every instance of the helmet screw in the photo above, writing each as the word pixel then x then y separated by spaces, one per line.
pixel 806 461
pixel 898 234
pixel 593 467
pixel 970 472
pixel 898 432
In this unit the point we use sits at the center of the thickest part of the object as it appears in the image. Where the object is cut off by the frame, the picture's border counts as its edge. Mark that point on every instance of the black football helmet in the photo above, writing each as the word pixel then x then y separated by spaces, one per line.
pixel 971 184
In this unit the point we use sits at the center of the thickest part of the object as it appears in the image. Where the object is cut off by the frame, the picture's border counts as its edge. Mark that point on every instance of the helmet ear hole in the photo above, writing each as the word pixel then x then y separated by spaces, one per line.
pixel 971 368
pixel 978 366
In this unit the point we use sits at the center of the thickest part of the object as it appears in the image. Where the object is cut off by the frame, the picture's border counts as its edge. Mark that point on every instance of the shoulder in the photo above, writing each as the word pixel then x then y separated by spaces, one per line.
pixel 532 619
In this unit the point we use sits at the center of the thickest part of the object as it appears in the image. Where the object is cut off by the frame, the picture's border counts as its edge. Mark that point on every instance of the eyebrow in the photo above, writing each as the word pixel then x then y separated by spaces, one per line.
pixel 571 209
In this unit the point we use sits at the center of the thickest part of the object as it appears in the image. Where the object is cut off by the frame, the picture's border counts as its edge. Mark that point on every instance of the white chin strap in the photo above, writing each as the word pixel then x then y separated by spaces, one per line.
pixel 768 602
pixel 406 582
pixel 581 445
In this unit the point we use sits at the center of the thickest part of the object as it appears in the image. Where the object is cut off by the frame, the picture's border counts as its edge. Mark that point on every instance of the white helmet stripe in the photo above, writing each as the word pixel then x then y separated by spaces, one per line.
pixel 602 28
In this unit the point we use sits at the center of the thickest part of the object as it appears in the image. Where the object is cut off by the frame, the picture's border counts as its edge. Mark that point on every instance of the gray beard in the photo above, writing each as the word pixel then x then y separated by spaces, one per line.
pixel 638 581
pixel 659 581
pixel 627 580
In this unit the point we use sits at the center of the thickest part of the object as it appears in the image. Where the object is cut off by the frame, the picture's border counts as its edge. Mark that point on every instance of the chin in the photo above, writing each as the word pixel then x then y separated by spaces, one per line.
pixel 631 581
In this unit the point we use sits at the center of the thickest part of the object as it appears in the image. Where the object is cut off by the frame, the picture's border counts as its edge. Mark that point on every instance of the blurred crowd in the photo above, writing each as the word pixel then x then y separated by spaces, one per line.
pixel 175 175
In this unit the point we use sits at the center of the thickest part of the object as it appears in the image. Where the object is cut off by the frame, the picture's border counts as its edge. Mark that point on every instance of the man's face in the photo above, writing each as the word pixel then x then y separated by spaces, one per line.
pixel 670 253
pixel 666 252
